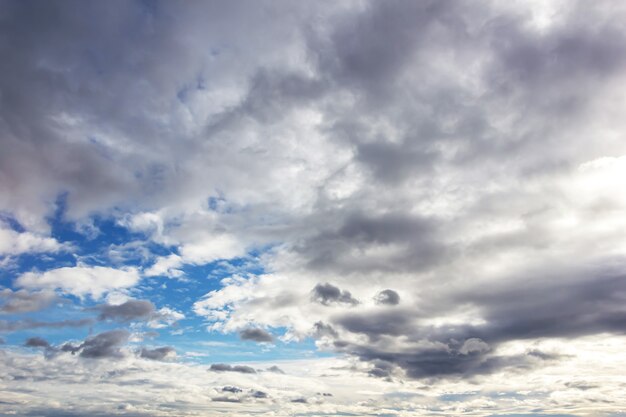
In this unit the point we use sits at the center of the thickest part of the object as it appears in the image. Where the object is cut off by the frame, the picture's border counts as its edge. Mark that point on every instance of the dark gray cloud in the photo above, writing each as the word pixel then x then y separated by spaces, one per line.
pixel 257 335
pixel 223 367
pixel 157 354
pixel 22 301
pixel 36 342
pixel 299 400
pixel 230 388
pixel 103 345
pixel 393 322
pixel 322 329
pixel 387 297
pixel 128 311
pixel 327 294
pixel 530 309
pixel 443 361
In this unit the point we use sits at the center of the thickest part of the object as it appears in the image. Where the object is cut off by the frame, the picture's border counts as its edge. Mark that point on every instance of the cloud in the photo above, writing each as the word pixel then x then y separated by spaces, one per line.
pixel 223 367
pixel 17 325
pixel 327 294
pixel 461 159
pixel 22 301
pixel 158 354
pixel 81 280
pixel 165 317
pixel 103 345
pixel 256 335
pixel 387 297
pixel 36 342
pixel 275 369
pixel 299 400
pixel 128 311
pixel 226 399
pixel 16 243
pixel 259 394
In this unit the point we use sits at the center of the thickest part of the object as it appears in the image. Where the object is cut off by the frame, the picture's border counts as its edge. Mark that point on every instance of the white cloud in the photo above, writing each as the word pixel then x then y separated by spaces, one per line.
pixel 165 317
pixel 81 280
pixel 17 243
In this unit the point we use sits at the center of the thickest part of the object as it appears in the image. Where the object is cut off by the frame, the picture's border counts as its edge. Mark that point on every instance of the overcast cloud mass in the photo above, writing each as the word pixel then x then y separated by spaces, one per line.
pixel 282 208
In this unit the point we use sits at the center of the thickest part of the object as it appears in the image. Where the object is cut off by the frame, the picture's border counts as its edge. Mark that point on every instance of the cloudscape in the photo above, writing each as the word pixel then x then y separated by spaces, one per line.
pixel 312 208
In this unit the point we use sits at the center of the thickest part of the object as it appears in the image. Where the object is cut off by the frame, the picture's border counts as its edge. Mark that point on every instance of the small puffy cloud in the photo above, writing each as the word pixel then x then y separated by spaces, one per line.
pixel 224 367
pixel 256 335
pixel 327 294
pixel 36 342
pixel 387 297
pixel 158 354
pixel 166 266
pixel 165 317
pixel 81 280
pixel 23 301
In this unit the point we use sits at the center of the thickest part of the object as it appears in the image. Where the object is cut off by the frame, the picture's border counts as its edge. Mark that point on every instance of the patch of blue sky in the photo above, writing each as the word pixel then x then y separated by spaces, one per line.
pixel 457 396
pixel 106 243
pixel 213 347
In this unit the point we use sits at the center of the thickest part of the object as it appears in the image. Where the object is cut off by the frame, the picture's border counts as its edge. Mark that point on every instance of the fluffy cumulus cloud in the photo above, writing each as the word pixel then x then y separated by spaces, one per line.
pixel 80 280
pixel 412 208
pixel 16 243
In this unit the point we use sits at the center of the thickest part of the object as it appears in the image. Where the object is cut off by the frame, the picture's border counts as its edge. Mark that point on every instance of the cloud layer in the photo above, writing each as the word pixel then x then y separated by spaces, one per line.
pixel 389 198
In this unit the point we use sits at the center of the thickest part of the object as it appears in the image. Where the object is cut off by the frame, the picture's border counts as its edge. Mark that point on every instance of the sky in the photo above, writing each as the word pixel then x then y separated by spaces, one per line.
pixel 312 208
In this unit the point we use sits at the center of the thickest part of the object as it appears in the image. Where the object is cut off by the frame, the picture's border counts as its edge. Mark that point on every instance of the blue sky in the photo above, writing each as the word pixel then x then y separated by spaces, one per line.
pixel 285 208
pixel 179 294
